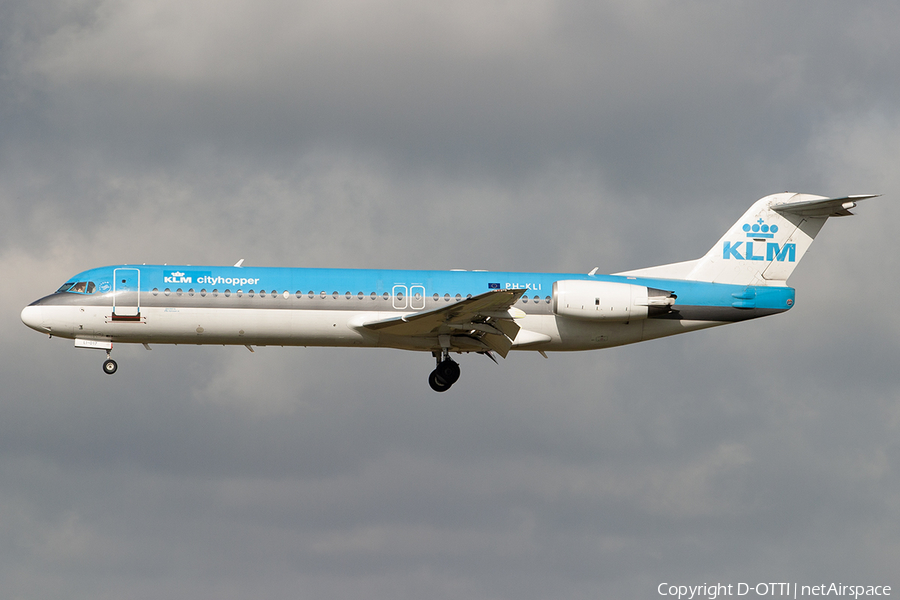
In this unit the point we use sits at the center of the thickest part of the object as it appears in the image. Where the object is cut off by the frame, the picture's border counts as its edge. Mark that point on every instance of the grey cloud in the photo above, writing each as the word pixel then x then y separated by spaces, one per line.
pixel 545 136
pixel 440 86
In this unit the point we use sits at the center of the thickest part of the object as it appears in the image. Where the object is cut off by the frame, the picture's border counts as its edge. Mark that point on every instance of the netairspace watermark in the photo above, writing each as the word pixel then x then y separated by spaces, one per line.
pixel 711 591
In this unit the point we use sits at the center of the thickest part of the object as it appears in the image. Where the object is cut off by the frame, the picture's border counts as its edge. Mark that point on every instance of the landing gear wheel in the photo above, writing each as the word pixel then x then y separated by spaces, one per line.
pixel 436 383
pixel 109 366
pixel 448 370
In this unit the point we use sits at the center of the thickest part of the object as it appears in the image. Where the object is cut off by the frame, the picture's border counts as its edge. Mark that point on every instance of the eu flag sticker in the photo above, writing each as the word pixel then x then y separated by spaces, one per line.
pixel 493 286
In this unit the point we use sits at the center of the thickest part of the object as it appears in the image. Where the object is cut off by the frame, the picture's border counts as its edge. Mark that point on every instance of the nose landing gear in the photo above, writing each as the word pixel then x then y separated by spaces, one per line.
pixel 109 365
pixel 445 374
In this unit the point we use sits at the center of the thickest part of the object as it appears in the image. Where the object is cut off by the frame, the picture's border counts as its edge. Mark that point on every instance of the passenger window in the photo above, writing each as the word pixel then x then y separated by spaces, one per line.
pixel 458 297
pixel 179 292
pixel 547 299
pixel 228 293
pixel 239 293
pixel 203 293
pixel 360 295
pixel 385 296
pixel 334 294
pixel 275 293
pixel 372 295
pixel 167 291
pixel 446 297
pixel 347 295
pixel 323 295
pixel 154 291
pixel 215 293
pixel 298 294
pixel 468 296
pixel 191 292
pixel 311 294
pixel 436 296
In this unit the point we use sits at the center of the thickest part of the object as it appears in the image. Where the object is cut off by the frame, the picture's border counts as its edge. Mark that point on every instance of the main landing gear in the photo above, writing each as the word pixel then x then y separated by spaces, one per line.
pixel 445 374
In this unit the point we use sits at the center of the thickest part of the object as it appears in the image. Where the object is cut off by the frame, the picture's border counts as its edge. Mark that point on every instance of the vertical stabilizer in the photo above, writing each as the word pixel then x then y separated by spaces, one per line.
pixel 765 245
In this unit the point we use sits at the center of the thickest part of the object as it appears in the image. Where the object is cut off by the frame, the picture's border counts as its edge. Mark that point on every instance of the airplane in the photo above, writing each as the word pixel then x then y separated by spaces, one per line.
pixel 743 276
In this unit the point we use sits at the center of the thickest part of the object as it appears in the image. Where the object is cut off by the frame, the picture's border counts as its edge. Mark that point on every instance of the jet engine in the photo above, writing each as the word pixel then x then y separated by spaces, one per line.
pixel 609 301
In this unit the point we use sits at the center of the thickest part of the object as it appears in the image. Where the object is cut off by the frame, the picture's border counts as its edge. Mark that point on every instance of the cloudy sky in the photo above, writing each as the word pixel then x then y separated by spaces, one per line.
pixel 520 136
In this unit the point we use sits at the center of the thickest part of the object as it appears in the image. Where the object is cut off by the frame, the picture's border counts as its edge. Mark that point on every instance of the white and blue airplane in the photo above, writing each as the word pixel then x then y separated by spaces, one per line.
pixel 743 276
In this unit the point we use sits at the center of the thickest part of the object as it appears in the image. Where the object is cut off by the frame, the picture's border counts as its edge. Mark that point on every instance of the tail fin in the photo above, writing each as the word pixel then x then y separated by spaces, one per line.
pixel 765 245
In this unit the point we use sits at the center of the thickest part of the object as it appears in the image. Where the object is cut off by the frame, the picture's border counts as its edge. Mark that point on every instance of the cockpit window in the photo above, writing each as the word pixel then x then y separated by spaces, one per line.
pixel 80 287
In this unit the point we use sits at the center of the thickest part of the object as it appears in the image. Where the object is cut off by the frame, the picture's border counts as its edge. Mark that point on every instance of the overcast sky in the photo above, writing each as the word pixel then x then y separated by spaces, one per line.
pixel 524 136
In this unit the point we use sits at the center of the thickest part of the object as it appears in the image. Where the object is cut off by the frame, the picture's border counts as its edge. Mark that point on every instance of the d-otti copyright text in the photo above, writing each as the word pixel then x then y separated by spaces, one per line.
pixel 711 591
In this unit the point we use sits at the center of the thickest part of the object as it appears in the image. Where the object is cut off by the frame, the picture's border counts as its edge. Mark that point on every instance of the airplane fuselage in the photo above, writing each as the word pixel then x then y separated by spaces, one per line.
pixel 258 306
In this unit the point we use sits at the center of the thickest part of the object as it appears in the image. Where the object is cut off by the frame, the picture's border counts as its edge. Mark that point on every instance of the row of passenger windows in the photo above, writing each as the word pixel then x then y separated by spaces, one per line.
pixel 311 294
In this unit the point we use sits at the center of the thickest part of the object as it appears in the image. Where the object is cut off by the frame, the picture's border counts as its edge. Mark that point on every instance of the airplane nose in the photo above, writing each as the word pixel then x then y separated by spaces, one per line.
pixel 33 317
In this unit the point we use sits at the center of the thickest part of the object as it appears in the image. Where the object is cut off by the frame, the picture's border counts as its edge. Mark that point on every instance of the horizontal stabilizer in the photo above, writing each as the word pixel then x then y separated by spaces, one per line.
pixel 806 205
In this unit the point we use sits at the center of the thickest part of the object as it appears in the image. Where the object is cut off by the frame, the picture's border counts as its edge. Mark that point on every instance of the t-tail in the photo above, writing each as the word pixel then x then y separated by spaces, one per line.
pixel 764 246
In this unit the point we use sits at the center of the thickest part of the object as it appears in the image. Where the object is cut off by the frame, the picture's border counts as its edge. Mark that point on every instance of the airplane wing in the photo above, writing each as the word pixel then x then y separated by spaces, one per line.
pixel 485 322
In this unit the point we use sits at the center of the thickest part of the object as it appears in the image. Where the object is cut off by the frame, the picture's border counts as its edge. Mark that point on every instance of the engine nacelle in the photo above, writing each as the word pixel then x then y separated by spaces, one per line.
pixel 608 301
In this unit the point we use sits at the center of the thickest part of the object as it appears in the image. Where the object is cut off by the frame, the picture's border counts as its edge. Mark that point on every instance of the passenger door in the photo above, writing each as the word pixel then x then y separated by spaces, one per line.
pixel 126 293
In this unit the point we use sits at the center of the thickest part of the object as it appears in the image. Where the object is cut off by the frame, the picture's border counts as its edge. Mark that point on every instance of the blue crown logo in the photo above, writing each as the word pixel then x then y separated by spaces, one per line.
pixel 760 230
